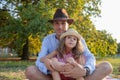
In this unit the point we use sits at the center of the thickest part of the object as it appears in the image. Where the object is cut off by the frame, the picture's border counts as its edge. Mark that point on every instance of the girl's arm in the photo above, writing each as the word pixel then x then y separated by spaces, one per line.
pixel 49 56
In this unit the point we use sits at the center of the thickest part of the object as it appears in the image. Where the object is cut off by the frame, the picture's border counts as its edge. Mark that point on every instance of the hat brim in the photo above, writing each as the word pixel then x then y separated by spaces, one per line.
pixel 70 21
pixel 70 33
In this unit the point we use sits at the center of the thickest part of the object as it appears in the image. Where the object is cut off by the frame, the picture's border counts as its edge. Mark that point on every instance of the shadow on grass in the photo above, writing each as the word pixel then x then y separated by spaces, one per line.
pixel 2 77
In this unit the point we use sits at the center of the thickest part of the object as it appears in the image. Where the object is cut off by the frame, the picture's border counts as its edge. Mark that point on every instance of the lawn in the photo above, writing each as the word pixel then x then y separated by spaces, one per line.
pixel 14 70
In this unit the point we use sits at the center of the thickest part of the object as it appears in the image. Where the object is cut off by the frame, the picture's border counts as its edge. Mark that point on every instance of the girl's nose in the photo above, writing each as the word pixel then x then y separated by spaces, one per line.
pixel 71 39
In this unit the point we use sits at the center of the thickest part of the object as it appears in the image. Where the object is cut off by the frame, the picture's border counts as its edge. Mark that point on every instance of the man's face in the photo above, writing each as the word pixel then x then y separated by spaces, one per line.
pixel 60 26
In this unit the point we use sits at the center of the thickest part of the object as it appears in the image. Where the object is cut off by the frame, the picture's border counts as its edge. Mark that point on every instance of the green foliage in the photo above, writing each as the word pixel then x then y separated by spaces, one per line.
pixel 4 15
pixel 100 43
pixel 32 18
pixel 118 49
pixel 6 35
pixel 34 44
pixel 106 43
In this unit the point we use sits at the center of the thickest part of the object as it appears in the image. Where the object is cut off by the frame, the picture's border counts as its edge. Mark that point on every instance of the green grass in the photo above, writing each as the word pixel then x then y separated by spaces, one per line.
pixel 14 70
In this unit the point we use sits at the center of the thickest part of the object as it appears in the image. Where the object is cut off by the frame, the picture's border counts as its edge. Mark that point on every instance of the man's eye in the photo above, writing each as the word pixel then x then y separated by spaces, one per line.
pixel 63 23
pixel 56 23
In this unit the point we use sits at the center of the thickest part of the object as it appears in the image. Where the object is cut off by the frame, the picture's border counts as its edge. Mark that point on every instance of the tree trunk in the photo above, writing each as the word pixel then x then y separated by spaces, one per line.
pixel 25 54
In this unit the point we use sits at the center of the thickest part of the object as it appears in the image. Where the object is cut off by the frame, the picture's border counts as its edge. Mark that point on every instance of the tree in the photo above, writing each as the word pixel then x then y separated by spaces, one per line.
pixel 5 39
pixel 30 18
pixel 118 49
pixel 106 44
pixel 30 21
pixel 30 15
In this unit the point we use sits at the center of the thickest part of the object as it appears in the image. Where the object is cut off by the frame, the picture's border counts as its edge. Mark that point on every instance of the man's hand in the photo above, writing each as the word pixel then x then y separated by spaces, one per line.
pixel 77 72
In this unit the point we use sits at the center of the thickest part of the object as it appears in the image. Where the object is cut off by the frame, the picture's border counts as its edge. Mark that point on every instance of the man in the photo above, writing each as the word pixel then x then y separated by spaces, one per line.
pixel 61 22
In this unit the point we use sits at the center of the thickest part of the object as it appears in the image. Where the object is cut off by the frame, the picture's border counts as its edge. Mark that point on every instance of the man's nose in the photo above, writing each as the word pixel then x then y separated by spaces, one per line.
pixel 60 26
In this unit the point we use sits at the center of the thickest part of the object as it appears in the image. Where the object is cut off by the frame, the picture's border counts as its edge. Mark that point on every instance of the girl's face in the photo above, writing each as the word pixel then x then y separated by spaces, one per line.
pixel 70 41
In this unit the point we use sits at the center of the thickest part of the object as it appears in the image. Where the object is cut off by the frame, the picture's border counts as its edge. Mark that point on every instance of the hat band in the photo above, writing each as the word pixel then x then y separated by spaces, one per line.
pixel 60 16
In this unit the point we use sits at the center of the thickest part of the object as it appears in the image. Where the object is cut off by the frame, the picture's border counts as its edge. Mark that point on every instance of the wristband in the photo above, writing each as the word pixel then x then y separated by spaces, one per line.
pixel 87 71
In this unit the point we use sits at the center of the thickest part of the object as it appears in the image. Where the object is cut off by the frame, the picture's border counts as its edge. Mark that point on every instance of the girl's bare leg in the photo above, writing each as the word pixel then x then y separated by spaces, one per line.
pixel 80 78
pixel 56 75
pixel 58 66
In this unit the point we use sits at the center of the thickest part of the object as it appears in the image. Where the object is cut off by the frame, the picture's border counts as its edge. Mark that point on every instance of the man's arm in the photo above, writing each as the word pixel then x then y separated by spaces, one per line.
pixel 49 56
pixel 89 58
pixel 49 44
pixel 44 51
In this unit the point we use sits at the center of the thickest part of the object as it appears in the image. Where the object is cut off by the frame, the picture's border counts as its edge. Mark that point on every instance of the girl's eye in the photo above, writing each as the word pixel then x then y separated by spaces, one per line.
pixel 75 39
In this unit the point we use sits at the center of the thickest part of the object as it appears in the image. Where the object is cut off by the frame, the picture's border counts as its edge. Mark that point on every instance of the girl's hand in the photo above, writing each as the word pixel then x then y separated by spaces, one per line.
pixel 70 60
pixel 47 63
pixel 68 67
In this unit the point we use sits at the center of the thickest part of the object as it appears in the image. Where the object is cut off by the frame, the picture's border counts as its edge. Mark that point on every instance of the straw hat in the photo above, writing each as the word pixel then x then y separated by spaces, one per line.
pixel 70 32
pixel 61 14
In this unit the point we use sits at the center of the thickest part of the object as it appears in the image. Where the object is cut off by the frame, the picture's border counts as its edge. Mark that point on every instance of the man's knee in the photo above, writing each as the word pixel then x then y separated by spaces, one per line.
pixel 29 71
pixel 107 66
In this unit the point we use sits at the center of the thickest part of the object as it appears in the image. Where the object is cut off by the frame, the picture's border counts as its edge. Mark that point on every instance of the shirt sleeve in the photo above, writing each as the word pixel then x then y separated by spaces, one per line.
pixel 42 53
pixel 89 57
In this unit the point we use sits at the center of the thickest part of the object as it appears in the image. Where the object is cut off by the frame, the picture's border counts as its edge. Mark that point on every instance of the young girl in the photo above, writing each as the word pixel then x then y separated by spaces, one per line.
pixel 70 50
